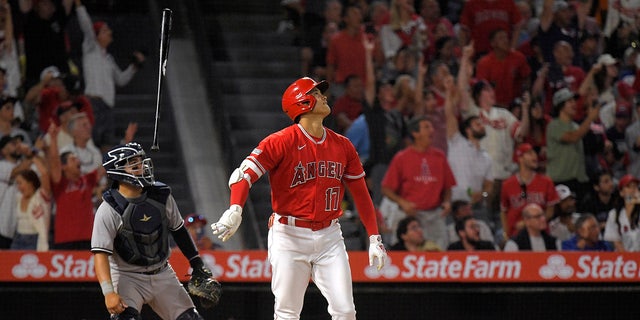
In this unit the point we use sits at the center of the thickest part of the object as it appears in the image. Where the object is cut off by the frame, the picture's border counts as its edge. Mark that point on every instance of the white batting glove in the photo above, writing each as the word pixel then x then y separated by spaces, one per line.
pixel 228 223
pixel 376 250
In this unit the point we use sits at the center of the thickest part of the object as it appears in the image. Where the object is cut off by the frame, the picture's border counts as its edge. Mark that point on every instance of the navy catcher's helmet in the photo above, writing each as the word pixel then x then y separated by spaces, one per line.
pixel 117 159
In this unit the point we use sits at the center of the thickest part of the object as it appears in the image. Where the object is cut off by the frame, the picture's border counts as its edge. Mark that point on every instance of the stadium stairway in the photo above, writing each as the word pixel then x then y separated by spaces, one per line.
pixel 136 102
pixel 253 63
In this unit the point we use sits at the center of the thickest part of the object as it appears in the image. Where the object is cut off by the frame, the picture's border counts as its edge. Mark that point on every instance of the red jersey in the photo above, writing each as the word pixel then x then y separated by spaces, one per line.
pixel 514 197
pixel 483 16
pixel 507 75
pixel 48 107
pixel 438 121
pixel 351 107
pixel 346 53
pixel 307 174
pixel 74 208
pixel 572 79
pixel 420 177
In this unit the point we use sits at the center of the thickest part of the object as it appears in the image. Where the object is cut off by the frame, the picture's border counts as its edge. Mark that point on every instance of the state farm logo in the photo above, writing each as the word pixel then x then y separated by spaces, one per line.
pixel 389 271
pixel 210 261
pixel 242 266
pixel 556 267
pixel 449 267
pixel 29 266
pixel 61 266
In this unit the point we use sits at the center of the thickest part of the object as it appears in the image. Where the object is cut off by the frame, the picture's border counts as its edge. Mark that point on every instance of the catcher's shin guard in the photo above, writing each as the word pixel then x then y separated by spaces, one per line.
pixel 190 314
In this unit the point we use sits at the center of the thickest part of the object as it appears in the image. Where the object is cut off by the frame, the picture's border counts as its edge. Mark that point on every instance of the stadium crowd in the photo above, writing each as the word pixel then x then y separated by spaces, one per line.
pixel 482 124
pixel 486 124
pixel 56 120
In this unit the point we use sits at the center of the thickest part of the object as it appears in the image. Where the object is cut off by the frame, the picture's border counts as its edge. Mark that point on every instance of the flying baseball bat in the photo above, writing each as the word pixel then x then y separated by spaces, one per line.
pixel 162 69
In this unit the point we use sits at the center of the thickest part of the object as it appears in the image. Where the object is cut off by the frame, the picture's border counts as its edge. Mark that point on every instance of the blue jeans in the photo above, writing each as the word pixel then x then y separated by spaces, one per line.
pixel 24 242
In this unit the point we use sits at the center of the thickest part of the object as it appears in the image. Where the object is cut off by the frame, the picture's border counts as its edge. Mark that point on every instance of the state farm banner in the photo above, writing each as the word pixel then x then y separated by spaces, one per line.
pixel 253 266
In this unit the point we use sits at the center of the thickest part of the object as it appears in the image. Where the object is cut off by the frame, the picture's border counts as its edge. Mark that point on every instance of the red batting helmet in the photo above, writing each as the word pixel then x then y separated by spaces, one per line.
pixel 296 100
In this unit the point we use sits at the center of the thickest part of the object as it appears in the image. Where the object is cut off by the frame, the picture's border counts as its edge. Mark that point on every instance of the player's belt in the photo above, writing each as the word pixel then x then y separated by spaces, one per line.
pixel 301 223
pixel 156 271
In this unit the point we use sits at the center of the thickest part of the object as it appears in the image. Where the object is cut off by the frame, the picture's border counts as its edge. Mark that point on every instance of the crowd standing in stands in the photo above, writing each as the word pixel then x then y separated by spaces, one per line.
pixel 418 183
pixel 50 165
pixel 45 39
pixel 102 74
pixel 531 104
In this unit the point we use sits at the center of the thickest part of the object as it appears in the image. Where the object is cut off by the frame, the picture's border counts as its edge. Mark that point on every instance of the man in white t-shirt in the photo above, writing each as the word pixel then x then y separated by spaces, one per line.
pixel 503 131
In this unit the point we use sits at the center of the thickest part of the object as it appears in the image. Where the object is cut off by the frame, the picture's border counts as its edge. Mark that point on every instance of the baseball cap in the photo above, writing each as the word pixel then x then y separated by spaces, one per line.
pixel 97 26
pixel 563 95
pixel 521 150
pixel 560 5
pixel 623 109
pixel 625 90
pixel 564 192
pixel 50 69
pixel 607 59
pixel 626 179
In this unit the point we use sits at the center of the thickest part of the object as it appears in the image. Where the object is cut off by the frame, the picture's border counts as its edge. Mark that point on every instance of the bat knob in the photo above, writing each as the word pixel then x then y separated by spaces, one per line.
pixel 155 148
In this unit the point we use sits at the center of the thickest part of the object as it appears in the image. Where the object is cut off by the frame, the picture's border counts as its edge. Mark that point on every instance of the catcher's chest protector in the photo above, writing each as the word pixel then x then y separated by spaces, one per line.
pixel 143 238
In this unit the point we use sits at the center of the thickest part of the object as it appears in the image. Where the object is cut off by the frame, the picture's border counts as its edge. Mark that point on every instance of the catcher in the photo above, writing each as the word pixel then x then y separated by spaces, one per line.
pixel 130 242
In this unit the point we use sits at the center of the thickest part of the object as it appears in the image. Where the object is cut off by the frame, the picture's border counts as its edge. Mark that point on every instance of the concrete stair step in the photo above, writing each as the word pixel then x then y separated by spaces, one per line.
pixel 251 136
pixel 250 103
pixel 259 69
pixel 256 38
pixel 261 54
pixel 246 7
pixel 247 84
pixel 266 120
pixel 253 65
pixel 237 21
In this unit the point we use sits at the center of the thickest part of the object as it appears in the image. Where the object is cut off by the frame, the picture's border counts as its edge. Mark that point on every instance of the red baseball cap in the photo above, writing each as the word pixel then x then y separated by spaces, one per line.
pixel 520 150
pixel 625 91
pixel 97 26
pixel 623 109
pixel 626 179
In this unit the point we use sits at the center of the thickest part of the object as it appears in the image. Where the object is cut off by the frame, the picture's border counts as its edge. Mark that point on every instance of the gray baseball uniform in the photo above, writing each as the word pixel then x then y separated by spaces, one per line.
pixel 155 284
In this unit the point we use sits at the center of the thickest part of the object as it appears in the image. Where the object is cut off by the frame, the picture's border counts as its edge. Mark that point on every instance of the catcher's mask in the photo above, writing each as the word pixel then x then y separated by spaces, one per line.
pixel 121 157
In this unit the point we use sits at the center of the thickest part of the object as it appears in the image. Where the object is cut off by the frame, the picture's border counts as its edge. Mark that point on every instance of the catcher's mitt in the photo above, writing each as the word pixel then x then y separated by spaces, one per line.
pixel 205 287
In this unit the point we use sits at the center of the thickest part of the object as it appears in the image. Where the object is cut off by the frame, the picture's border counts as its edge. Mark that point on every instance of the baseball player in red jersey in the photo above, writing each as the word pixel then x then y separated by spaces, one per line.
pixel 309 167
